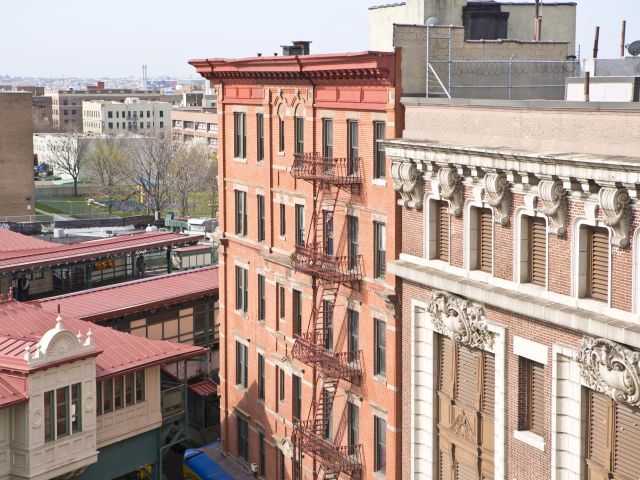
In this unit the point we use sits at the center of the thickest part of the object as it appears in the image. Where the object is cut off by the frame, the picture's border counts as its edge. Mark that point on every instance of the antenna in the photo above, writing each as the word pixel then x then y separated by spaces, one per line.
pixel 634 48
pixel 144 77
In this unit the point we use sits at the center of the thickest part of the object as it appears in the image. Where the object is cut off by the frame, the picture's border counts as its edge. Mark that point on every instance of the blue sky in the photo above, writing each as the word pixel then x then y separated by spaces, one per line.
pixel 115 37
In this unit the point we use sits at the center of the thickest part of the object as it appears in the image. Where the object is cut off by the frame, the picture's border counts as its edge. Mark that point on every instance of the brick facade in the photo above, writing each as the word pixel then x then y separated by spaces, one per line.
pixel 292 93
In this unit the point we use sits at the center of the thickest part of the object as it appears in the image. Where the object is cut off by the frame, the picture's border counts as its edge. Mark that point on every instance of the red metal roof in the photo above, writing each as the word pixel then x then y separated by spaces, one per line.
pixel 136 296
pixel 12 242
pixel 27 259
pixel 13 389
pixel 118 352
pixel 204 388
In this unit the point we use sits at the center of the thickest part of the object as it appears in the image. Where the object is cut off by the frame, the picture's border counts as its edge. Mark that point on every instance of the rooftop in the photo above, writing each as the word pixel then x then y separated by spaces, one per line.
pixel 16 258
pixel 136 296
pixel 27 327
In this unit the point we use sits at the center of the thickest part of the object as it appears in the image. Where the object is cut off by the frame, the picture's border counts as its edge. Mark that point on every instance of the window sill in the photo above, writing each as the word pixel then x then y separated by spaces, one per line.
pixel 240 160
pixel 240 388
pixel 380 379
pixel 283 238
pixel 281 154
pixel 380 182
pixel 530 438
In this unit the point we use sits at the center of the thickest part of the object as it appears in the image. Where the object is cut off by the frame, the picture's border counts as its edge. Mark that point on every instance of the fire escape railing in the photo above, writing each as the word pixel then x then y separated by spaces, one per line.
pixel 329 176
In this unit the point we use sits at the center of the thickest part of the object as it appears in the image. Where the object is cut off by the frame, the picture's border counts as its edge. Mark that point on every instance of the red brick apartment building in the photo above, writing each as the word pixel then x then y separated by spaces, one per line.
pixel 310 365
pixel 520 281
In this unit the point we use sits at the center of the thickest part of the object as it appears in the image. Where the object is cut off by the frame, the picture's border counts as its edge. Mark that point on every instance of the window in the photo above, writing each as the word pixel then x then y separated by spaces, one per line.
pixel 281 384
pixel 161 115
pixel 283 220
pixel 327 232
pixel 107 395
pixel 110 114
pixel 260 136
pixel 261 218
pixel 281 135
pixel 161 123
pixel 353 422
pixel 296 383
pixel 62 412
pixel 536 250
pixel 118 392
pixel 327 400
pixel 261 376
pixel 282 475
pixel 327 320
pixel 240 135
pixel 297 311
pixel 128 388
pixel 327 138
pixel 243 438
pixel 281 301
pixel 262 298
pixel 148 114
pixel 596 241
pixel 262 456
pixel 380 249
pixel 352 147
pixel 242 290
pixel 482 223
pixel 140 386
pixel 531 396
pixel 353 234
pixel 300 225
pixel 380 360
pixel 380 443
pixel 439 220
pixel 353 326
pixel 380 166
pixel 242 367
pixel 241 213
pixel 299 135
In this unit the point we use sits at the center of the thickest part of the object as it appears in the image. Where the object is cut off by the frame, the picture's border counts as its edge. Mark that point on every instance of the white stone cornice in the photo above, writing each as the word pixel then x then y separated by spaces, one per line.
pixel 408 182
pixel 614 203
pixel 496 187
pixel 451 189
pixel 553 198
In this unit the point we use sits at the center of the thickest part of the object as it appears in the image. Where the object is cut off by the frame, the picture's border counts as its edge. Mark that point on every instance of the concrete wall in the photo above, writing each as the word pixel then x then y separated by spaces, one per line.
pixel 558 22
pixel 17 191
pixel 488 67
pixel 533 126
pixel 604 89
pixel 613 67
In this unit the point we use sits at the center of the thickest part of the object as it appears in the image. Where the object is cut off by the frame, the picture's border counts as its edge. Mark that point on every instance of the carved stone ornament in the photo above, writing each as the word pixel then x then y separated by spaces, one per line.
pixel 462 428
pixel 553 197
pixel 496 187
pixel 614 203
pixel 407 181
pixel 460 319
pixel 610 368
pixel 451 189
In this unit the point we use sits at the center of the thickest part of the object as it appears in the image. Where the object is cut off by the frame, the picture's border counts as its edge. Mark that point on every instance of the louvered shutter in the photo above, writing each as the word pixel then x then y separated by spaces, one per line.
pixel 465 472
pixel 488 384
pixel 599 423
pixel 536 421
pixel 443 231
pixel 537 251
pixel 485 250
pixel 467 375
pixel 599 264
pixel 445 370
pixel 627 440
pixel 444 466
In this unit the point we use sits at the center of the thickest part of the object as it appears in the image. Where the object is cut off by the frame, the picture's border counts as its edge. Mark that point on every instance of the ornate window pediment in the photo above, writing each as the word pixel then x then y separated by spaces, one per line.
pixel 460 319
pixel 610 368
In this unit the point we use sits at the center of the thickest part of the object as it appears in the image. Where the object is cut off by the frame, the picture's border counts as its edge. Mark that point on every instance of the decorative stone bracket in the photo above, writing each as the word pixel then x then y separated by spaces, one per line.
pixel 407 181
pixel 451 189
pixel 614 203
pixel 496 187
pixel 610 368
pixel 460 319
pixel 553 197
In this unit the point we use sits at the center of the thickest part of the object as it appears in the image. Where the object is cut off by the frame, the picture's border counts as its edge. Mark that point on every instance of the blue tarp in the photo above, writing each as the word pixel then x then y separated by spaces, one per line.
pixel 199 466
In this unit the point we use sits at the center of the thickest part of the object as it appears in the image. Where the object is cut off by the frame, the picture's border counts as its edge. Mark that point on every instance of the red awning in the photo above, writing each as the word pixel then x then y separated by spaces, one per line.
pixel 205 388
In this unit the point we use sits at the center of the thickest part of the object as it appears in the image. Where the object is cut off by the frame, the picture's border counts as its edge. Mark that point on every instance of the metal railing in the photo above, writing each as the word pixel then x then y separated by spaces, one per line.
pixel 329 268
pixel 337 171
pixel 172 399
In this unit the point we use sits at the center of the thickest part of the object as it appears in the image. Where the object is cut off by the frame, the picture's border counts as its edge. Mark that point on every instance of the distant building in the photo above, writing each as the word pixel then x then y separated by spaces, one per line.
pixel 133 115
pixel 67 104
pixel 190 123
pixel 17 191
pixel 42 108
pixel 611 80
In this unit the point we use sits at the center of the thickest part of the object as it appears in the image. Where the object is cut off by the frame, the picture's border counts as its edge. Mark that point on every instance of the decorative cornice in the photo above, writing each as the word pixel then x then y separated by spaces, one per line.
pixel 610 368
pixel 407 181
pixel 553 197
pixel 460 319
pixel 496 188
pixel 614 203
pixel 451 189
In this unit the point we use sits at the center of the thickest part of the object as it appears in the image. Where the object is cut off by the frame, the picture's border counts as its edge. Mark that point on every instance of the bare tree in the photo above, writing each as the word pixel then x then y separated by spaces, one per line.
pixel 68 154
pixel 191 164
pixel 149 166
pixel 212 182
pixel 107 168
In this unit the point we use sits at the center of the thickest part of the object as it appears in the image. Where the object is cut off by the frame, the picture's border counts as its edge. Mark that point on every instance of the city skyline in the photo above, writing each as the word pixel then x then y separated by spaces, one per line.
pixel 126 42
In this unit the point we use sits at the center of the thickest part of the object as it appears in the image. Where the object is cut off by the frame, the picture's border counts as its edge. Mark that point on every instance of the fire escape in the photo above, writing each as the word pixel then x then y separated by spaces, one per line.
pixel 329 271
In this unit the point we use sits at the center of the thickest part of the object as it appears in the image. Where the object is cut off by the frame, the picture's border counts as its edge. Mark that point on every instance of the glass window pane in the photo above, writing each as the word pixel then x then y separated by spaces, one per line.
pixel 76 408
pixel 48 416
pixel 107 395
pixel 171 329
pixel 62 412
pixel 128 389
pixel 118 392
pixel 140 386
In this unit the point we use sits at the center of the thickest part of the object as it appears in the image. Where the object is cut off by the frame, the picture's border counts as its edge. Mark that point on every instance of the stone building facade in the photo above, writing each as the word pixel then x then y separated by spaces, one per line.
pixel 309 366
pixel 519 284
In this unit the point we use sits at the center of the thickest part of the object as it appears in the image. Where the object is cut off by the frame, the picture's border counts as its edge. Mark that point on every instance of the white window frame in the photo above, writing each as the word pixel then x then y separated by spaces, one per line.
pixel 579 264
pixel 521 250
pixel 470 240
